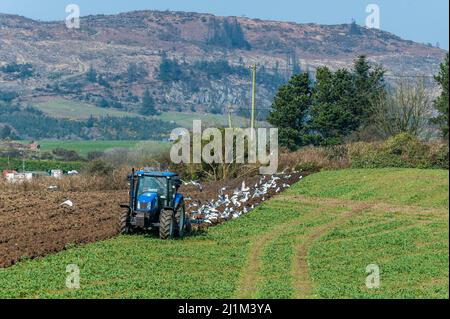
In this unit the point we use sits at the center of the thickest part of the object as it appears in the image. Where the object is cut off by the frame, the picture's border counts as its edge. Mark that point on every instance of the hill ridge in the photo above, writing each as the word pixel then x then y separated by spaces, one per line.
pixel 111 43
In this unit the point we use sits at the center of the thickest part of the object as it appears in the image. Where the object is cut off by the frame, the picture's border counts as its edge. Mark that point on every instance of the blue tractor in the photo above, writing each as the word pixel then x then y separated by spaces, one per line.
pixel 155 204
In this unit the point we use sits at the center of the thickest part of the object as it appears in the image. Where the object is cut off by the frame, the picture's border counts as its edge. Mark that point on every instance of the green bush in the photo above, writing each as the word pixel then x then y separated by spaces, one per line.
pixel 403 151
pixel 38 165
pixel 99 167
pixel 308 167
pixel 337 152
pixel 409 149
pixel 439 156
pixel 91 156
pixel 365 155
pixel 67 155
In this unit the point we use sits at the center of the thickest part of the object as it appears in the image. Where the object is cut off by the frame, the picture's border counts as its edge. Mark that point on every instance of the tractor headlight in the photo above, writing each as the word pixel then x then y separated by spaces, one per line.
pixel 143 205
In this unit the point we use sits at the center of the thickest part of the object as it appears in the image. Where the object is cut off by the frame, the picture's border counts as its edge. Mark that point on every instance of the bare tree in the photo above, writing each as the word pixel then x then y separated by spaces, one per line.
pixel 406 110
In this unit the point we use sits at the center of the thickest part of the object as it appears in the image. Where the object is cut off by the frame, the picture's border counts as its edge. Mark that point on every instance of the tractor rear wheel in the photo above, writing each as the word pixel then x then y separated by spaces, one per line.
pixel 188 227
pixel 167 224
pixel 180 217
pixel 125 227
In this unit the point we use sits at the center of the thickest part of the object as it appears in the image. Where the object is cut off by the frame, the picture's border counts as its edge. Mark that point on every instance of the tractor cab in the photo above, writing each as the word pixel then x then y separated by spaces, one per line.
pixel 154 189
pixel 155 203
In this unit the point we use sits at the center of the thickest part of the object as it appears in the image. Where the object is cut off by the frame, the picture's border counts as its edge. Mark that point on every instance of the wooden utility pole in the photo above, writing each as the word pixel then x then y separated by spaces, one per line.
pixel 252 121
pixel 230 109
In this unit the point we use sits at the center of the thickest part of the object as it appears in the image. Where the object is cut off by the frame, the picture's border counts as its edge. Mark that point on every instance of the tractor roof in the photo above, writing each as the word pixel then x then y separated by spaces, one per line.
pixel 156 174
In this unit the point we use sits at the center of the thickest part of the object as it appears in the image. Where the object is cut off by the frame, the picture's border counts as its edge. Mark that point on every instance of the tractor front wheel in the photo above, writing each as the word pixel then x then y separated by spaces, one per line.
pixel 125 227
pixel 167 224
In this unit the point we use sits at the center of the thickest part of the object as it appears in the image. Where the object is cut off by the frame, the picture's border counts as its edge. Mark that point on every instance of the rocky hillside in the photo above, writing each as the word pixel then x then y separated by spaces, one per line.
pixel 188 61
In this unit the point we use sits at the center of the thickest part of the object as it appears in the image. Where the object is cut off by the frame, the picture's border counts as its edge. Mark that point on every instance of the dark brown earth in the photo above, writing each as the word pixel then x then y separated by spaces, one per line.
pixel 34 224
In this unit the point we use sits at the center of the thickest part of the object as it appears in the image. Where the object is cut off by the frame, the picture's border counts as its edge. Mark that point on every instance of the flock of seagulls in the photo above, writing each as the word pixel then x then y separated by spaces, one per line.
pixel 239 202
pixel 194 183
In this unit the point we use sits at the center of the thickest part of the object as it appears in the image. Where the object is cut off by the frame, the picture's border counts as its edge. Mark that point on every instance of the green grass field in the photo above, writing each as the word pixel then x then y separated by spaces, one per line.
pixel 212 120
pixel 313 241
pixel 61 108
pixel 83 148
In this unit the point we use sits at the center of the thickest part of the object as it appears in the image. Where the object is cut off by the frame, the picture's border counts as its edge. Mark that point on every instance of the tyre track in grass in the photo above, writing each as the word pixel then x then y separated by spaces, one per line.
pixel 302 281
pixel 250 278
pixel 251 274
pixel 277 270
pixel 303 284
pixel 247 286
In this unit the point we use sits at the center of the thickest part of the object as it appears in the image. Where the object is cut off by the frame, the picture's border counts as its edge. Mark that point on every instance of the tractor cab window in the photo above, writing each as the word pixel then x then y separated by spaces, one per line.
pixel 149 184
pixel 174 184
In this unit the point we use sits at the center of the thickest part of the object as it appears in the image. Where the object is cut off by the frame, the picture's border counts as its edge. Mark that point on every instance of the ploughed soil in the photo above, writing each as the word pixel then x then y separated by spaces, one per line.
pixel 35 223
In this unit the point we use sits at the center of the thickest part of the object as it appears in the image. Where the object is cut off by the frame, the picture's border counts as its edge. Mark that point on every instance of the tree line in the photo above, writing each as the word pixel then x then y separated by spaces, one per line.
pixel 18 70
pixel 30 123
pixel 354 104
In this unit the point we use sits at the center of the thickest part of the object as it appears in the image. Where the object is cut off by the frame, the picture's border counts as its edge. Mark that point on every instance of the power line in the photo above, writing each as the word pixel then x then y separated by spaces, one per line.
pixel 281 69
pixel 408 76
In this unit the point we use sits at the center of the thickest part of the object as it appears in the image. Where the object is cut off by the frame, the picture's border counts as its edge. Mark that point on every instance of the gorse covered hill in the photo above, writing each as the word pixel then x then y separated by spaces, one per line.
pixel 188 61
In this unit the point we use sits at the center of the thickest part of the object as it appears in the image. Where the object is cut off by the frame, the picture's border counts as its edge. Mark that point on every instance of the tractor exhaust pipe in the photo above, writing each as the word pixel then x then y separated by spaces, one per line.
pixel 132 189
